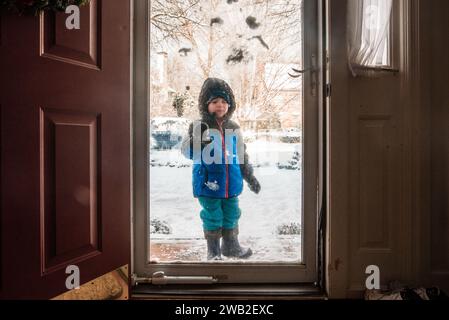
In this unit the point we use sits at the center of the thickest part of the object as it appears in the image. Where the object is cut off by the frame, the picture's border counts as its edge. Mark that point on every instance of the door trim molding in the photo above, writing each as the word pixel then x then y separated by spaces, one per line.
pixel 140 114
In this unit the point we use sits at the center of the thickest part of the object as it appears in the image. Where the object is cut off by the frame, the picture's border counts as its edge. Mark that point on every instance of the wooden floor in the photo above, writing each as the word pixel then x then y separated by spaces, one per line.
pixel 111 286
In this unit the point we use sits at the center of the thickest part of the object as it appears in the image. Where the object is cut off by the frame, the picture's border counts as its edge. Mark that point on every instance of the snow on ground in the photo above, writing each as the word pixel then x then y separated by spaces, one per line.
pixel 279 202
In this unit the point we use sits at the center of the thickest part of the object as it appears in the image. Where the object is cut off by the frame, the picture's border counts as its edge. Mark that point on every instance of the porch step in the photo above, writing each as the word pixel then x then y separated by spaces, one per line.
pixel 282 249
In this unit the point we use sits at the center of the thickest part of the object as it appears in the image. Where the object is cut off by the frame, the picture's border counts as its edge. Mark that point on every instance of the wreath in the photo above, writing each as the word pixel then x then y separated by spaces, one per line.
pixel 37 6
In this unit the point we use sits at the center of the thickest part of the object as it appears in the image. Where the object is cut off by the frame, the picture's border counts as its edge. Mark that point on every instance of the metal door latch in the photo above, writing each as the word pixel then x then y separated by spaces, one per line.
pixel 159 278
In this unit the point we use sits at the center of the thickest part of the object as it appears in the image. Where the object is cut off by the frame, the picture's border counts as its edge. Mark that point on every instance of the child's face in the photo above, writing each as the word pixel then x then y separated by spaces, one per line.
pixel 219 106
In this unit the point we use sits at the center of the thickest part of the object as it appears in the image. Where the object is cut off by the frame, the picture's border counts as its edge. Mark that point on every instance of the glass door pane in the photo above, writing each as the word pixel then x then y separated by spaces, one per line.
pixel 267 52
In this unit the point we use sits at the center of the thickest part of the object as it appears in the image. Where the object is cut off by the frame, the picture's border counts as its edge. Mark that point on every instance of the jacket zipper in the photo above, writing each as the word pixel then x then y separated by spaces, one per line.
pixel 223 146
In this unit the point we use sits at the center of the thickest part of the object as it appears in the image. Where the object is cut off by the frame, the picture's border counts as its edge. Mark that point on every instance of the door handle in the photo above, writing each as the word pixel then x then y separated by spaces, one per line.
pixel 301 72
pixel 313 73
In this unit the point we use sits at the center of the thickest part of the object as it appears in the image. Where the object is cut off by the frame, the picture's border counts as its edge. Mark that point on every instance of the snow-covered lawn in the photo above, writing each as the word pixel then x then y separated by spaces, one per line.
pixel 278 203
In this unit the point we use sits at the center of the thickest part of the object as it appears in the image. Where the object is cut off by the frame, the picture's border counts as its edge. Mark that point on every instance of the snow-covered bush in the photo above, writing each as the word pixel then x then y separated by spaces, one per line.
pixel 291 135
pixel 292 228
pixel 249 136
pixel 169 158
pixel 290 139
pixel 293 164
pixel 158 226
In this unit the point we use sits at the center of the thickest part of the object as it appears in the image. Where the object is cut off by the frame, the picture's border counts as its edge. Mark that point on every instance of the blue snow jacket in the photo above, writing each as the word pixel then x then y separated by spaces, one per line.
pixel 220 160
pixel 217 165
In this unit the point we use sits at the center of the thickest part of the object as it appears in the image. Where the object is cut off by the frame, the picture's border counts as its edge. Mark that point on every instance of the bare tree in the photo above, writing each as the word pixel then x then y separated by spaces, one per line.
pixel 204 32
pixel 283 33
pixel 169 19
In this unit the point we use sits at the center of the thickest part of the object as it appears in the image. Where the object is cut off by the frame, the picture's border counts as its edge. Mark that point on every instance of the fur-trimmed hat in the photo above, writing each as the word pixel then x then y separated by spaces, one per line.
pixel 213 88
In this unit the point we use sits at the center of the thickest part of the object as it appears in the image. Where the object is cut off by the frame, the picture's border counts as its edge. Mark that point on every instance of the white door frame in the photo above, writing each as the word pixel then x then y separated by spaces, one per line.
pixel 246 273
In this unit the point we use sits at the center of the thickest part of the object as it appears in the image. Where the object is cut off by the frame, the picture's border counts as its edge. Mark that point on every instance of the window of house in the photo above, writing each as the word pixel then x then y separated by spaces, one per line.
pixel 370 34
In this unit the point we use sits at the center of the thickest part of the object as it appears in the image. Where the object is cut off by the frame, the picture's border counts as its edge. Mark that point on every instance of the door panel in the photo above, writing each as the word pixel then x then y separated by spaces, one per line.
pixel 81 47
pixel 70 211
pixel 65 148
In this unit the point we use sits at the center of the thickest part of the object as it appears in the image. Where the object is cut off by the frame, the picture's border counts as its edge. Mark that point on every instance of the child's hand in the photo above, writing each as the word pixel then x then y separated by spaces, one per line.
pixel 254 185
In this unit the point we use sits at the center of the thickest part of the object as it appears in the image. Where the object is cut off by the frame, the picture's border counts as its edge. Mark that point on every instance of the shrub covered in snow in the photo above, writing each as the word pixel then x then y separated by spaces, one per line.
pixel 293 164
pixel 290 139
pixel 291 135
pixel 169 158
pixel 291 228
pixel 158 226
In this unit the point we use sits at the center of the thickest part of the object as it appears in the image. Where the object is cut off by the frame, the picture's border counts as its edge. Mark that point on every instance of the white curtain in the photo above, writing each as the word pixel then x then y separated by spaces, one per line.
pixel 368 33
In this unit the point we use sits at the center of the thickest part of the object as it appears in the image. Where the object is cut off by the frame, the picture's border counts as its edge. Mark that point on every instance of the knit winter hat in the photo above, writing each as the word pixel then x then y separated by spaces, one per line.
pixel 216 92
pixel 213 88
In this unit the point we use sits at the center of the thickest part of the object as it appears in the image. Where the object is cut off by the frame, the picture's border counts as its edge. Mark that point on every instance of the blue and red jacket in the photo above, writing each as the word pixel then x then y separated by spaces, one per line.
pixel 221 165
pixel 219 178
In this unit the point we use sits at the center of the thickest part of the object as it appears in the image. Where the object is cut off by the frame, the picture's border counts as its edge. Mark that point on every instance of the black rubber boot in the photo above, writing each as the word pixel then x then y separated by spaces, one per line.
pixel 213 244
pixel 230 246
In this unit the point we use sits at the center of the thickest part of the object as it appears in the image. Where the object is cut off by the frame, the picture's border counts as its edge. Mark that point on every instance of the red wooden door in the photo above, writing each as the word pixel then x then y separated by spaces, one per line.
pixel 65 148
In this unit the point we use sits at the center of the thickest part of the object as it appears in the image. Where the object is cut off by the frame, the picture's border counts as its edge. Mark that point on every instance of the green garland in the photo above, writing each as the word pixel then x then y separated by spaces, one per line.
pixel 37 6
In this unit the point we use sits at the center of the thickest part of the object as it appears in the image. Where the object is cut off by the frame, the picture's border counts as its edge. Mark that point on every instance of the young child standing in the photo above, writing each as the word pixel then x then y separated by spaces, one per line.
pixel 220 165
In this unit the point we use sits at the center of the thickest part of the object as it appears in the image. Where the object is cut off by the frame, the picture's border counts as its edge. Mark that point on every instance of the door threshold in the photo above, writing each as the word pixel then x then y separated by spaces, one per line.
pixel 229 291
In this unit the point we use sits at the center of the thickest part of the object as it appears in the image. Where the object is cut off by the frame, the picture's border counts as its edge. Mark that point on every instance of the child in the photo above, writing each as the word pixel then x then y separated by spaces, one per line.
pixel 220 165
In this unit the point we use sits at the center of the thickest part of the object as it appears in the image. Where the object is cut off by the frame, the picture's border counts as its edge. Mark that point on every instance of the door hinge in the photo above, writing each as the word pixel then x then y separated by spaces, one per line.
pixel 159 278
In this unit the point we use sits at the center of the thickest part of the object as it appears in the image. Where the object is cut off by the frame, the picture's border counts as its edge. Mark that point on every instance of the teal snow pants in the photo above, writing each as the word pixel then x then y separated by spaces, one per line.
pixel 219 213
